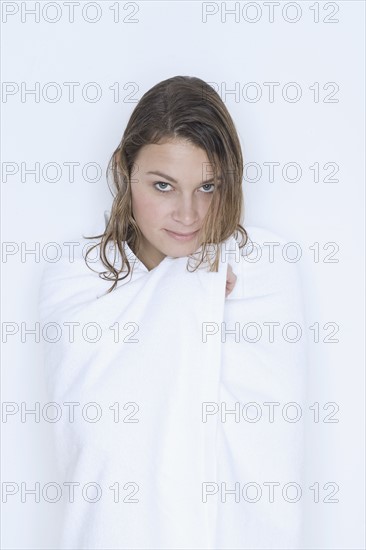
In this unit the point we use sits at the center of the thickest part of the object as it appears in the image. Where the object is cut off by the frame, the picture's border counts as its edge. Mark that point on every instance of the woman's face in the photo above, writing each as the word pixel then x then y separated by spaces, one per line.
pixel 171 192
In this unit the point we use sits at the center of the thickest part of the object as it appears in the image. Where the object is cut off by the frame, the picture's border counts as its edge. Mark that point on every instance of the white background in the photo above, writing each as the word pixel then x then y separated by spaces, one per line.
pixel 168 39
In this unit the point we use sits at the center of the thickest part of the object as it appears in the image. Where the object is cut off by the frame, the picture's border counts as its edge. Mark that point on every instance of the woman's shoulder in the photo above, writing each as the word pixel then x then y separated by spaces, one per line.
pixel 263 236
pixel 75 278
pixel 268 263
pixel 70 279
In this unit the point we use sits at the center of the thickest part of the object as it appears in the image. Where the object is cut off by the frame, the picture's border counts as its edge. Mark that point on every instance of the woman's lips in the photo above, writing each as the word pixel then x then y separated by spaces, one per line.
pixel 180 236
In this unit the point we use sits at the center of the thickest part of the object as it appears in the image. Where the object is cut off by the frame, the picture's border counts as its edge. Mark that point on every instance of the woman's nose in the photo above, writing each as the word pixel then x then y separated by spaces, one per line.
pixel 185 211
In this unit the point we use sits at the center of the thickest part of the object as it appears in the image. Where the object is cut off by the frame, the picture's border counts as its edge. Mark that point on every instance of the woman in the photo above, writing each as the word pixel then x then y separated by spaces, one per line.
pixel 172 456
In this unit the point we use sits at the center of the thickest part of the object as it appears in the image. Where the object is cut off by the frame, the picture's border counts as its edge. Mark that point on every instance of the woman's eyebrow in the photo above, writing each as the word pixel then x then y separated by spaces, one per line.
pixel 165 176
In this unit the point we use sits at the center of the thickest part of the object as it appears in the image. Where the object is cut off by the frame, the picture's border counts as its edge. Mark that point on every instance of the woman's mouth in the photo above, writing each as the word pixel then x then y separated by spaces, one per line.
pixel 182 236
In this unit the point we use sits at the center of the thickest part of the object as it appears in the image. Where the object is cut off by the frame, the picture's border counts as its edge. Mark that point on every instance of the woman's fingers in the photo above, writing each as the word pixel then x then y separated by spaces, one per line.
pixel 230 280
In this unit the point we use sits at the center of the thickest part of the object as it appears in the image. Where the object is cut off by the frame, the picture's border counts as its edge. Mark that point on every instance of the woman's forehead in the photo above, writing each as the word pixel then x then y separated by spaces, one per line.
pixel 175 155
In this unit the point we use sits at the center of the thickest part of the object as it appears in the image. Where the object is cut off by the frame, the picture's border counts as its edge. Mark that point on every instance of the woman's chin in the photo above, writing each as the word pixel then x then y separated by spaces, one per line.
pixel 183 250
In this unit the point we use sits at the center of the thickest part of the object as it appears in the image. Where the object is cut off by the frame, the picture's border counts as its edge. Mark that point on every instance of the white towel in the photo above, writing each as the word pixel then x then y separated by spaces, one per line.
pixel 173 453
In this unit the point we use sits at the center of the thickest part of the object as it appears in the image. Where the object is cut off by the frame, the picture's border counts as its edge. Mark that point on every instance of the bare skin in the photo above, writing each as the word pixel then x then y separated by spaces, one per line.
pixel 170 210
pixel 230 280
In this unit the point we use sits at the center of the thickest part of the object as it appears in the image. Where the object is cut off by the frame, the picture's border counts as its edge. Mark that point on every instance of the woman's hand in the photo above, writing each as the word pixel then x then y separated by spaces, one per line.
pixel 230 280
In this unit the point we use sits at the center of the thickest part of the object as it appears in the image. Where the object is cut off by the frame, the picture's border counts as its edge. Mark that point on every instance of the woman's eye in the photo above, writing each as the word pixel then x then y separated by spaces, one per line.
pixel 161 183
pixel 164 187
pixel 210 185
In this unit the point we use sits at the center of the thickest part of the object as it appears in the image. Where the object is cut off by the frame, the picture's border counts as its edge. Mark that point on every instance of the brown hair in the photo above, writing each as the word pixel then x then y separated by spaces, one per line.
pixel 181 107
